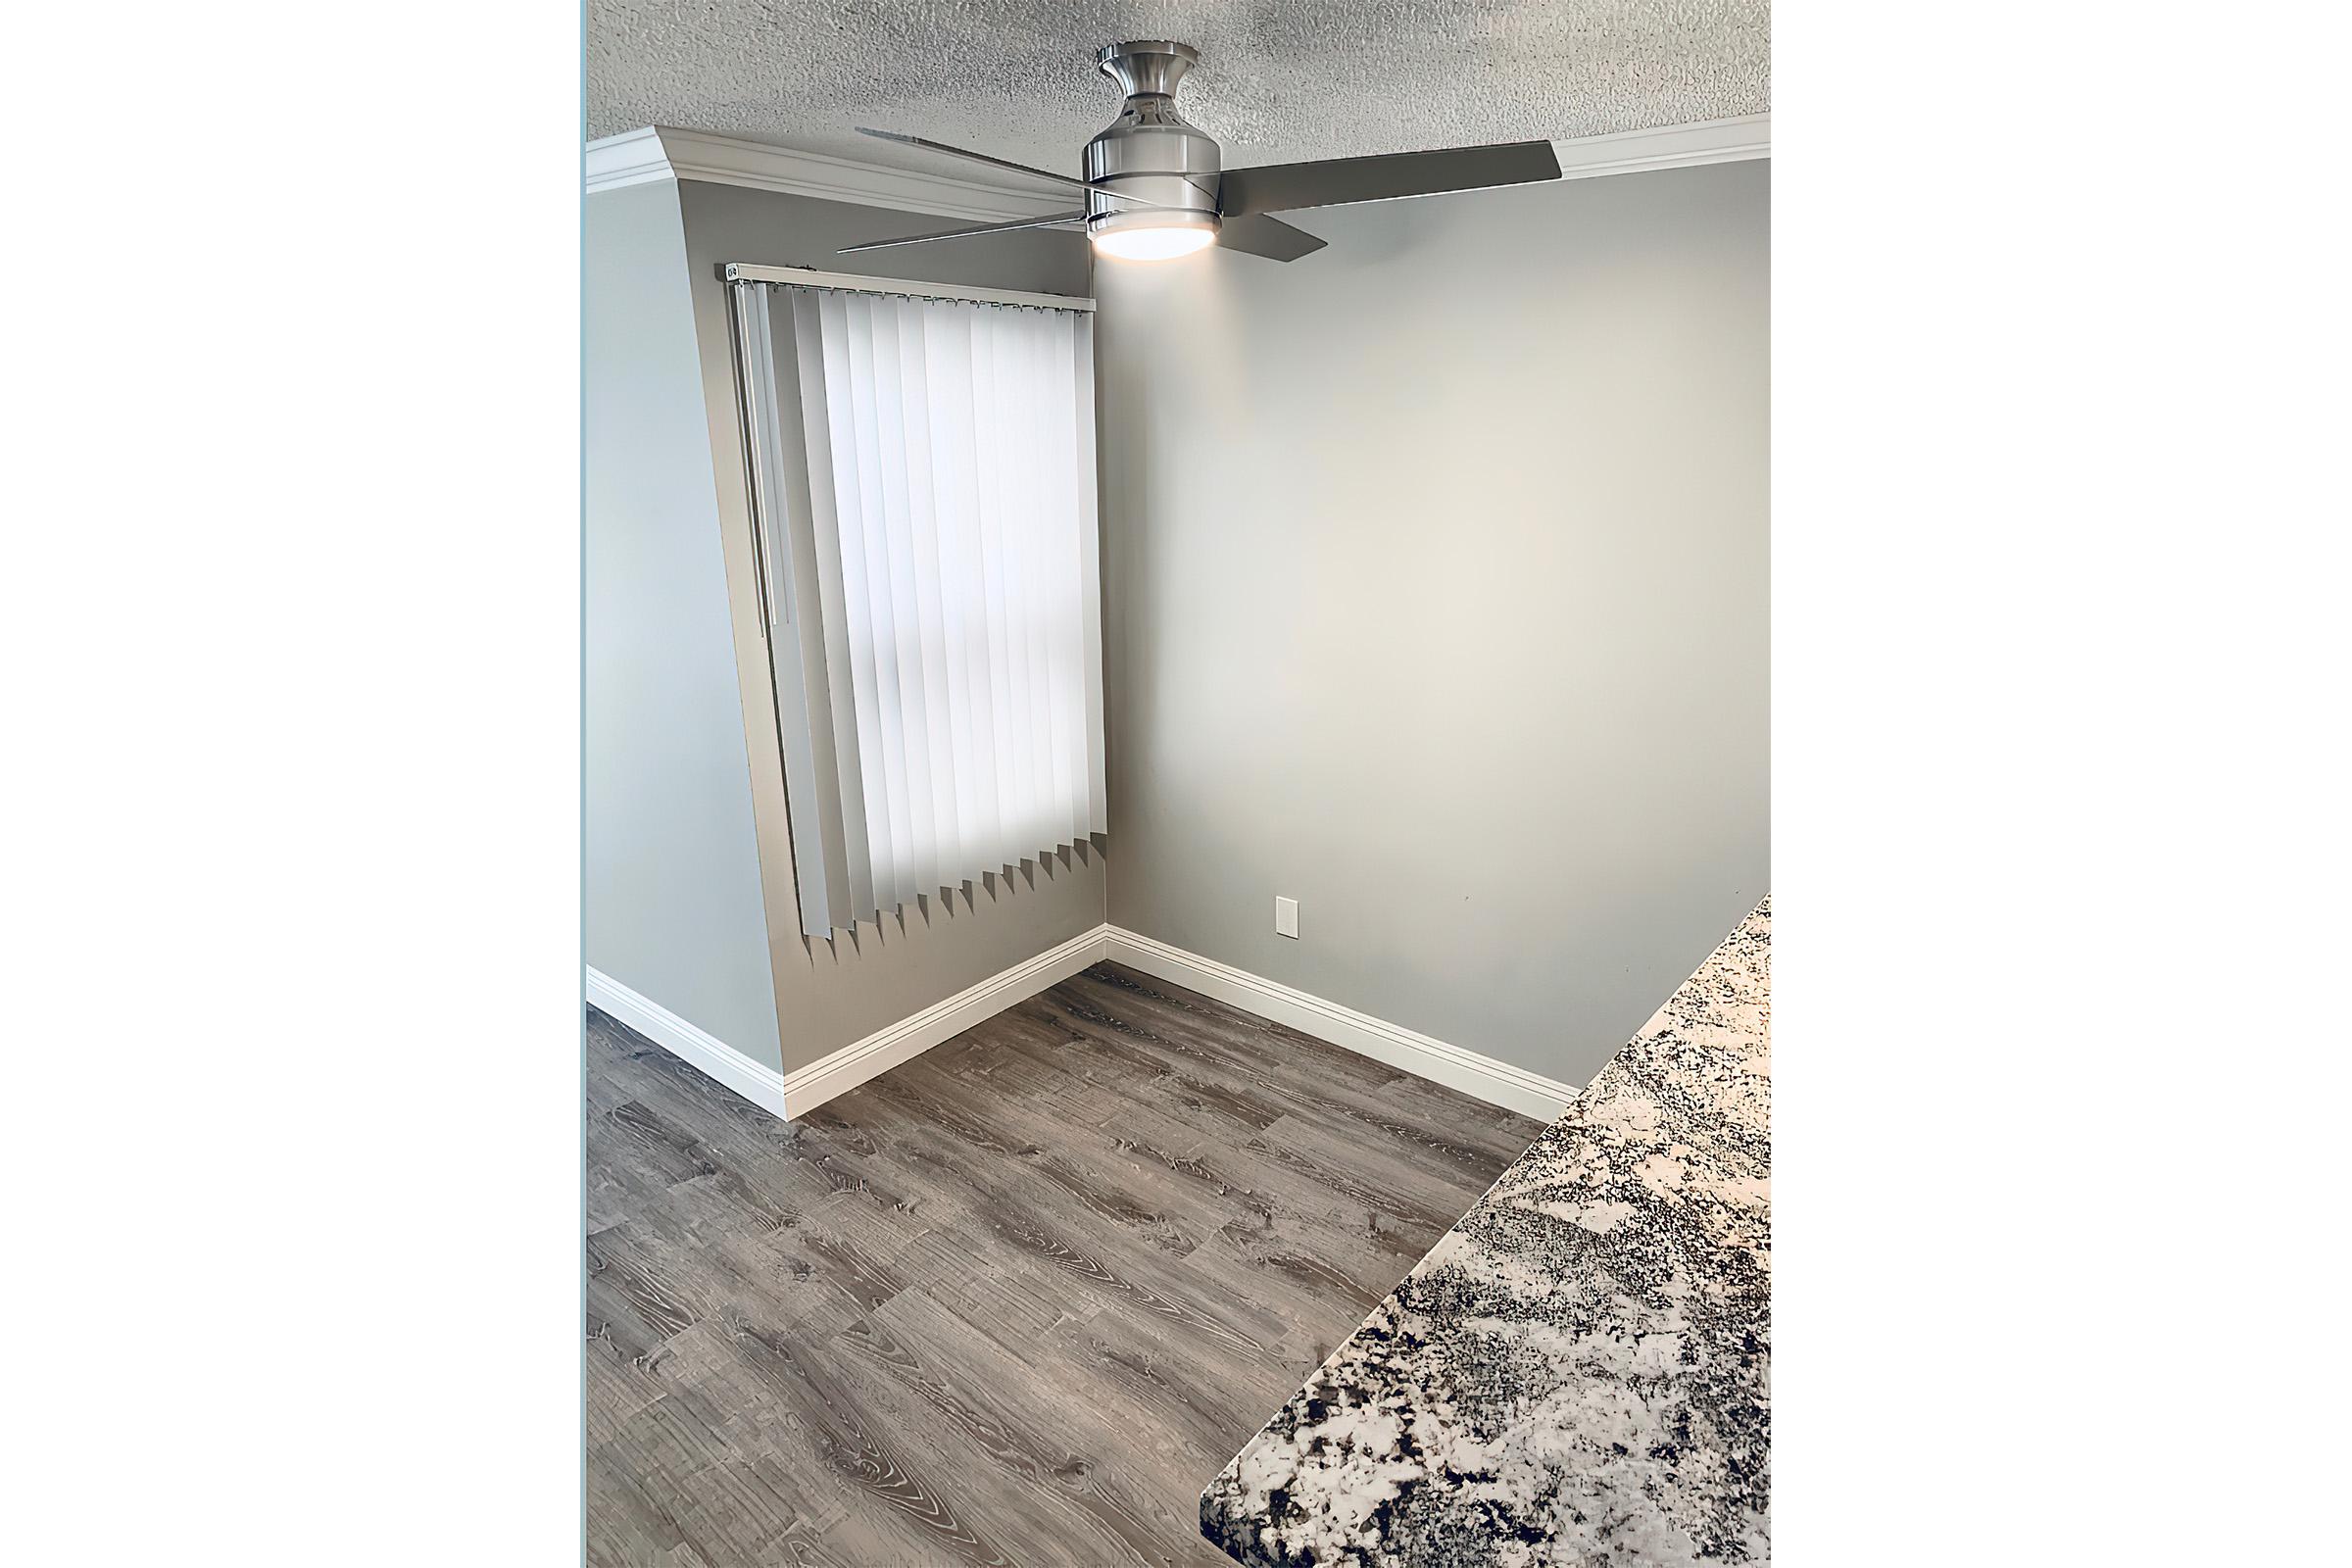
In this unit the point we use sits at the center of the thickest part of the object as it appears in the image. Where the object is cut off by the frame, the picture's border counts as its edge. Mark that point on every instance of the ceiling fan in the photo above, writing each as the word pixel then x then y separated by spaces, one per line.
pixel 1154 188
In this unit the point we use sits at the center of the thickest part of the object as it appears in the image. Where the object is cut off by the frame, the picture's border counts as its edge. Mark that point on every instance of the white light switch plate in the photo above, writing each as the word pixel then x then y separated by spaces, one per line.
pixel 1286 918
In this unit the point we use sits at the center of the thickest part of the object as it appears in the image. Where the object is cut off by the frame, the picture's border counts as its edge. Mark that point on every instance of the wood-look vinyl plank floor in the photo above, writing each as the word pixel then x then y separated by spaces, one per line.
pixel 1011 1303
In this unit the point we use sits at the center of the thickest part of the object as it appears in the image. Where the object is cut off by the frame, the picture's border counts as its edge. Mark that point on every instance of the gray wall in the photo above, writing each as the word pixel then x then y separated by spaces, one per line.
pixel 831 994
pixel 1437 573
pixel 671 895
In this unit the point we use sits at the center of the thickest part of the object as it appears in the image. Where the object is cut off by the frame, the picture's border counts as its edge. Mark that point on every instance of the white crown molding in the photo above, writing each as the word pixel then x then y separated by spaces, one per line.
pixel 1634 151
pixel 1498 1083
pixel 663 152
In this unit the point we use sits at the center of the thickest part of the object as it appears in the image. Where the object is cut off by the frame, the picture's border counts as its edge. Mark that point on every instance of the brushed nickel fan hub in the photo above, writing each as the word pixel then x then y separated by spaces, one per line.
pixel 1150 65
pixel 1151 154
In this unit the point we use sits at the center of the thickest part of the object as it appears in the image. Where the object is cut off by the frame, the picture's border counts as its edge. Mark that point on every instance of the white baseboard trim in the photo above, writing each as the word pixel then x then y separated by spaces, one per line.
pixel 755 1081
pixel 1498 1083
pixel 804 1089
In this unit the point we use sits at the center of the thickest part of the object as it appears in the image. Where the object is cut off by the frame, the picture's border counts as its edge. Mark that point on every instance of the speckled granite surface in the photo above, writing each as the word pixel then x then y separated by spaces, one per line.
pixel 1578 1372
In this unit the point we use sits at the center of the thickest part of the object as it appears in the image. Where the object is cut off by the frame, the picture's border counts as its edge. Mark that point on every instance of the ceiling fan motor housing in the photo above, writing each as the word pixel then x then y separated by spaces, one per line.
pixel 1151 152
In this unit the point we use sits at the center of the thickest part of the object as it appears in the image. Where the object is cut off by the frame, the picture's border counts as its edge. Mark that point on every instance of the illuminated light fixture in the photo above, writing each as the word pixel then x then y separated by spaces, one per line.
pixel 1155 241
pixel 1151 174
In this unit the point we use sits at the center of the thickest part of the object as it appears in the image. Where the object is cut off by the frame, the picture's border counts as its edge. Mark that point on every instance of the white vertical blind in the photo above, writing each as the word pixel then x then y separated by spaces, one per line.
pixel 923 483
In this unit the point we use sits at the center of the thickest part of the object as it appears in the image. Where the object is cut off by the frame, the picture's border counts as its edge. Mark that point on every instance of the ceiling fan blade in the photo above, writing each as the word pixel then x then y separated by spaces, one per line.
pixel 1260 235
pixel 977 158
pixel 1063 180
pixel 1336 182
pixel 1053 221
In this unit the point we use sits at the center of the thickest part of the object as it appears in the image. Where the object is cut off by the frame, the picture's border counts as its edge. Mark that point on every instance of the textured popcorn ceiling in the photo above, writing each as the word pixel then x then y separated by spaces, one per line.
pixel 1276 81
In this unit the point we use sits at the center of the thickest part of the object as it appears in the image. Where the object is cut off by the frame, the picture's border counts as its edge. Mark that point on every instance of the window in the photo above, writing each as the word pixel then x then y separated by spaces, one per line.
pixel 923 493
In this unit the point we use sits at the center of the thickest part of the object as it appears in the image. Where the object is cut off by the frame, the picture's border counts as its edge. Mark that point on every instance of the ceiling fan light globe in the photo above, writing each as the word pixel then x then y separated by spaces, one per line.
pixel 1159 243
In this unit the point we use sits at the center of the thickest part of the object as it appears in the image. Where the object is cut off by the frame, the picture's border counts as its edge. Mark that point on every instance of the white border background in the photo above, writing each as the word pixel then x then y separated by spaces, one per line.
pixel 2058 683
pixel 290 610
pixel 292 870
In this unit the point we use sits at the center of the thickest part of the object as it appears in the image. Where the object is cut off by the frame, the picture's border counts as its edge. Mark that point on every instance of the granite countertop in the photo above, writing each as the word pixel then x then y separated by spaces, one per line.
pixel 1579 1371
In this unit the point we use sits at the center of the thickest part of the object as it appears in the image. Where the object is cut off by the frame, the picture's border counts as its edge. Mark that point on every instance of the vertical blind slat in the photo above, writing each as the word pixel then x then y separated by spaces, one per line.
pixel 918 874
pixel 877 719
pixel 1090 567
pixel 846 837
pixel 948 383
pixel 922 511
pixel 989 460
pixel 779 485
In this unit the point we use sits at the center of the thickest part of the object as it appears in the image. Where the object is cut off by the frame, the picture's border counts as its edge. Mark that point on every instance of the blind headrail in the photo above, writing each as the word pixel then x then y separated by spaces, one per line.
pixel 810 278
